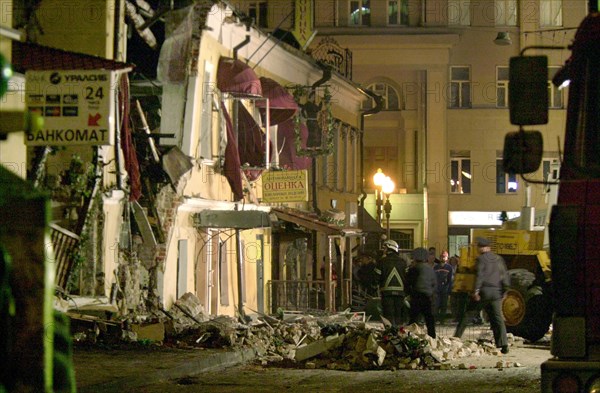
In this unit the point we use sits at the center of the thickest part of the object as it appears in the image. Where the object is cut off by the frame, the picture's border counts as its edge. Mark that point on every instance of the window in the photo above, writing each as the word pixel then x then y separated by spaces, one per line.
pixel 459 12
pixel 460 87
pixel 398 12
pixel 360 13
pixel 506 12
pixel 505 183
pixel 502 87
pixel 554 93
pixel 460 172
pixel 388 94
pixel 550 168
pixel 258 11
pixel 550 13
pixel 208 92
pixel 404 238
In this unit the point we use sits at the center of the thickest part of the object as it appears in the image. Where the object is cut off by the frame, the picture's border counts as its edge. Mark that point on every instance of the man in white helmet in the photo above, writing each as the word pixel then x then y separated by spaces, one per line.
pixel 391 273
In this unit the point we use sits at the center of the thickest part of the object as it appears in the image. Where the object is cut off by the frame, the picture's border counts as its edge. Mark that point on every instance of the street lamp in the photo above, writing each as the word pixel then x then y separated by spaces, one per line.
pixel 387 188
pixel 378 180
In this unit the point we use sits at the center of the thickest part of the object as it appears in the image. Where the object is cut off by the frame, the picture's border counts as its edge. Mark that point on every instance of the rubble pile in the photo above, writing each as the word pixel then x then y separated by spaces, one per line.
pixel 342 341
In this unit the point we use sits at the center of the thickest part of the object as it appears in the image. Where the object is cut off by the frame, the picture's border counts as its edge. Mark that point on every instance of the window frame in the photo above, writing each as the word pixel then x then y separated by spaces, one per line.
pixel 363 18
pixel 548 8
pixel 385 91
pixel 261 12
pixel 503 9
pixel 401 17
pixel 209 90
pixel 501 84
pixel 549 164
pixel 504 179
pixel 456 185
pixel 461 83
pixel 464 13
pixel 554 93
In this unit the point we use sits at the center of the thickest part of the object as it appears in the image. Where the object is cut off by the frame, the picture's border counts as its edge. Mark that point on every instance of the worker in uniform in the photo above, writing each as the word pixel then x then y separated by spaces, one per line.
pixel 491 283
pixel 391 274
pixel 422 284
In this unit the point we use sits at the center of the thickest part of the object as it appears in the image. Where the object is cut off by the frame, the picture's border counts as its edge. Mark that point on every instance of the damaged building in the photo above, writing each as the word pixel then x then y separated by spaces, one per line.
pixel 231 173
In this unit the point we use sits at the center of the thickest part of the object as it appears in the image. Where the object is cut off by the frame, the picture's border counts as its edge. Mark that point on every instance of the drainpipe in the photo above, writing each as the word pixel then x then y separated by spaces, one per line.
pixel 376 109
pixel 248 22
pixel 326 76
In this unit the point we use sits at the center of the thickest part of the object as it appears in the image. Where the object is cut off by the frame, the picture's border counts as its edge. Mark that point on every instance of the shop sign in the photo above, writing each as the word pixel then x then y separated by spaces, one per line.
pixel 285 186
pixel 77 107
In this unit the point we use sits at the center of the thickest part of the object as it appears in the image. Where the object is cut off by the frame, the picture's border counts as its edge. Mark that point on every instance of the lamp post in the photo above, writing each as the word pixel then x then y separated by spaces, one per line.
pixel 387 188
pixel 378 179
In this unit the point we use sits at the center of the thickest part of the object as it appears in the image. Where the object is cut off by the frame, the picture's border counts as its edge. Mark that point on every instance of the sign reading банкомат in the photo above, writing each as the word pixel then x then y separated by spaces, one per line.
pixel 78 107
pixel 285 186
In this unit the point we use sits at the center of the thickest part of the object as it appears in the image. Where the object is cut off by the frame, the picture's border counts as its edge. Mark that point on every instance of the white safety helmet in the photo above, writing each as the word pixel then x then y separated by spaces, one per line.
pixel 392 245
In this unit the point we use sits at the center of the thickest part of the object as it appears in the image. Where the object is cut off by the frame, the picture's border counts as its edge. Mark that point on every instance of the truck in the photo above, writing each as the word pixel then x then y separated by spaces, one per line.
pixel 574 229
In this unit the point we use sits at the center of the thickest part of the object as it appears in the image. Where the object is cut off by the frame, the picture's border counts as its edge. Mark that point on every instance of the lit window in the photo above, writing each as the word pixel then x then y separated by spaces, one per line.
pixel 459 12
pixel 550 168
pixel 506 12
pixel 460 87
pixel 550 13
pixel 360 13
pixel 460 173
pixel 398 12
pixel 505 183
pixel 554 93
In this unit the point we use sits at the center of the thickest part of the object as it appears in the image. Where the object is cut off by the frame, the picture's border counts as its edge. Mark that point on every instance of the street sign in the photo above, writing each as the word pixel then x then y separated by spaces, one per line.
pixel 78 107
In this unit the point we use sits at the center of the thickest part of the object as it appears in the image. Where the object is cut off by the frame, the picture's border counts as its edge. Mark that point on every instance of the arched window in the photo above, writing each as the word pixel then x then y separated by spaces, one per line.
pixel 390 96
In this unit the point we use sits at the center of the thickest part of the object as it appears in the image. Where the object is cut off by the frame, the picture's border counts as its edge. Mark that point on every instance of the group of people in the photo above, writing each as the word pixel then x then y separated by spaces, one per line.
pixel 428 287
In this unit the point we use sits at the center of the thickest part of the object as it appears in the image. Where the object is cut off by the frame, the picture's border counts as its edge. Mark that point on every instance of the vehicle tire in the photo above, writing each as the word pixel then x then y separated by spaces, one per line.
pixel 527 310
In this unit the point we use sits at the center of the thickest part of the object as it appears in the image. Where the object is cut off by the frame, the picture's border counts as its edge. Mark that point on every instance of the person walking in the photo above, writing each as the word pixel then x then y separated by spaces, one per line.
pixel 421 285
pixel 391 274
pixel 491 283
pixel 444 274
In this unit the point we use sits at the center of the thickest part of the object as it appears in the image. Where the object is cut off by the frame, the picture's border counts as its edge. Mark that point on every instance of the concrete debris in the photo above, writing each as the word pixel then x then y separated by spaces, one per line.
pixel 339 342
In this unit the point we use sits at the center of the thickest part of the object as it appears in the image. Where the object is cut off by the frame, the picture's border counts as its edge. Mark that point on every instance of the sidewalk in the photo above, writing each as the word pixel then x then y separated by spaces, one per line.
pixel 112 370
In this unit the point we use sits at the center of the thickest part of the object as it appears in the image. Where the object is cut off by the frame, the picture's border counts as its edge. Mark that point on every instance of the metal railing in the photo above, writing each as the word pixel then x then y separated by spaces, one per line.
pixel 300 295
pixel 64 243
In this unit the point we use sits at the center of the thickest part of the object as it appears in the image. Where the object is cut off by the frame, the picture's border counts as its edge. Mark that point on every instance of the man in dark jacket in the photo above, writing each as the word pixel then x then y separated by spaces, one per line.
pixel 422 284
pixel 391 273
pixel 444 274
pixel 490 285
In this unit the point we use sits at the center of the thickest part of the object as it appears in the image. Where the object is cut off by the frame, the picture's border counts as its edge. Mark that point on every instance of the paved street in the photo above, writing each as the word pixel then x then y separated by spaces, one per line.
pixel 169 370
pixel 254 378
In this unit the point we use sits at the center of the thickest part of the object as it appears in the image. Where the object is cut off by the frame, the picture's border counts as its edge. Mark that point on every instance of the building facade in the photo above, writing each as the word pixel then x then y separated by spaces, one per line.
pixel 442 68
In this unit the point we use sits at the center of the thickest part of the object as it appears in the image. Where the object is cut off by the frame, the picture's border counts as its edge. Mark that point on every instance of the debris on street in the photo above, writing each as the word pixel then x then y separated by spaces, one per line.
pixel 340 341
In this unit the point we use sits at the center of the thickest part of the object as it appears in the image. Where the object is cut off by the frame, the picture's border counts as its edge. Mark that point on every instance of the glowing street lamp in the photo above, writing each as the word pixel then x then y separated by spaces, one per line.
pixel 378 180
pixel 387 188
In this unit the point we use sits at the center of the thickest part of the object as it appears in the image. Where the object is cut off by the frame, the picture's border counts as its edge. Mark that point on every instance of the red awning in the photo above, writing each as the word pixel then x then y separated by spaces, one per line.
pixel 286 141
pixel 234 76
pixel 231 166
pixel 251 142
pixel 27 56
pixel 282 105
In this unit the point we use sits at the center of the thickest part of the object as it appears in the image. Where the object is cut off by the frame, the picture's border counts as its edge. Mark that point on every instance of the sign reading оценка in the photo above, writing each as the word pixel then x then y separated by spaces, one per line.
pixel 77 106
pixel 285 186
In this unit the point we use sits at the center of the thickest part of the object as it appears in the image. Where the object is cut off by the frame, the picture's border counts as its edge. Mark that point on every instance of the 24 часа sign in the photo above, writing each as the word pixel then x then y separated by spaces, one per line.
pixel 77 106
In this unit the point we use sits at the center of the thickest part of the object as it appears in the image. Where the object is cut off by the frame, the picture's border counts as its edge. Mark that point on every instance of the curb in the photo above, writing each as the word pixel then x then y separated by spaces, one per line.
pixel 190 367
